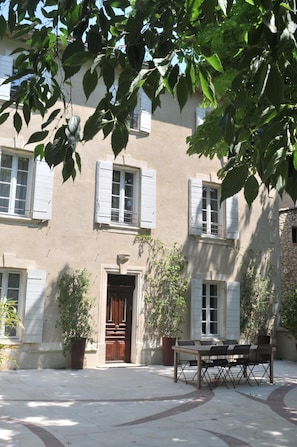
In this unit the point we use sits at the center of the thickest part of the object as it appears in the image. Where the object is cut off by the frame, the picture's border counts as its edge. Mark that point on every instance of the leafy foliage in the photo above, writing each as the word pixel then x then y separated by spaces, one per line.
pixel 288 313
pixel 9 319
pixel 241 55
pixel 256 297
pixel 74 304
pixel 165 288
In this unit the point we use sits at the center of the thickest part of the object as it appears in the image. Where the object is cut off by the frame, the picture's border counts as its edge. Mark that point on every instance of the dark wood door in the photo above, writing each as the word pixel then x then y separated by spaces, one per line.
pixel 118 323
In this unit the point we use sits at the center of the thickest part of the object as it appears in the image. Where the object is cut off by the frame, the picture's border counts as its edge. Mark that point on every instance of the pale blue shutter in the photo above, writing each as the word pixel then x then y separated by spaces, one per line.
pixel 6 63
pixel 233 310
pixel 232 231
pixel 145 113
pixel 103 192
pixel 148 198
pixel 195 207
pixel 34 306
pixel 196 308
pixel 43 191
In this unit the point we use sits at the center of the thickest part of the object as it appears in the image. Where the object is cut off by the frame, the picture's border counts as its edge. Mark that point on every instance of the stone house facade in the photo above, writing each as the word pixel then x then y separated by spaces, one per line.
pixel 153 187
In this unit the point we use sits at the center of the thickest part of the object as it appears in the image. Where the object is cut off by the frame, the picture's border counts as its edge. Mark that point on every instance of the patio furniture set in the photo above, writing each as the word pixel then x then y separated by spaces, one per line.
pixel 227 363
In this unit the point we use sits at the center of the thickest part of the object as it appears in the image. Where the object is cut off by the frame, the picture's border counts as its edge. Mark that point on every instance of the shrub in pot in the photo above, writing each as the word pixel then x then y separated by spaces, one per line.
pixel 165 292
pixel 288 313
pixel 9 320
pixel 75 321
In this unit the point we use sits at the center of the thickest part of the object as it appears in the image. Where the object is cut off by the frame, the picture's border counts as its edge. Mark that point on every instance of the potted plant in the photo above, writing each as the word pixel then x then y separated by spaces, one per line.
pixel 9 320
pixel 165 293
pixel 75 320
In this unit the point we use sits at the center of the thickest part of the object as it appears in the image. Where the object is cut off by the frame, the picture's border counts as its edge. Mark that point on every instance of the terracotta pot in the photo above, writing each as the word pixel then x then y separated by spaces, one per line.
pixel 168 354
pixel 78 354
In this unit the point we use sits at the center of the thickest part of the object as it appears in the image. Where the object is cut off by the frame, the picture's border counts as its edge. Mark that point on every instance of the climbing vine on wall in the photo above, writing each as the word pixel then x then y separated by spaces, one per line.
pixel 257 295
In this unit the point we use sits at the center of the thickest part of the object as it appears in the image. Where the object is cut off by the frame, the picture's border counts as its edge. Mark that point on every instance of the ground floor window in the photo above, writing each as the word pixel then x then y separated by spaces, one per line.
pixel 210 309
pixel 10 284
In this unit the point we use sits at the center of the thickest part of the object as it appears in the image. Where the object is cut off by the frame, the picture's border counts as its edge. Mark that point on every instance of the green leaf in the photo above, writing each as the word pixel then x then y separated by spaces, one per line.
pixel 39 151
pixel 107 73
pixel 90 81
pixel 93 125
pixel 182 92
pixel 295 158
pixel 17 121
pixel 51 118
pixel 3 117
pixel 119 138
pixel 251 189
pixel 234 181
pixel 3 26
pixel 215 62
pixel 37 136
pixel 78 59
pixel 205 85
pixel 275 86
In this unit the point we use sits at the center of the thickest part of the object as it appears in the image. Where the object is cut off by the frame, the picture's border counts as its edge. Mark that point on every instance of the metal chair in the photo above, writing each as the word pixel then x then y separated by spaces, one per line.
pixel 217 358
pixel 185 362
pixel 240 358
pixel 262 358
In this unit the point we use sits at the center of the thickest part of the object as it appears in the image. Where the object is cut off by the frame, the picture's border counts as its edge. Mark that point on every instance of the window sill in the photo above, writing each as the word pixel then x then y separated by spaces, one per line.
pixel 18 219
pixel 212 239
pixel 114 228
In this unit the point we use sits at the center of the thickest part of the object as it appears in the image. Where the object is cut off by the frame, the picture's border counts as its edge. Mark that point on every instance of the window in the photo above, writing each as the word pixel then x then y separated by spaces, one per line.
pixel 123 203
pixel 207 217
pixel 25 186
pixel 210 309
pixel 14 178
pixel 294 235
pixel 10 289
pixel 210 210
pixel 125 196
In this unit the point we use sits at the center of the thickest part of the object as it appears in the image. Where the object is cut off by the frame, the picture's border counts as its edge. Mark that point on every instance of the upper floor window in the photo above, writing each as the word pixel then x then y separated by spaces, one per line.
pixel 207 216
pixel 25 185
pixel 210 309
pixel 123 200
pixel 125 196
pixel 10 283
pixel 14 183
pixel 210 210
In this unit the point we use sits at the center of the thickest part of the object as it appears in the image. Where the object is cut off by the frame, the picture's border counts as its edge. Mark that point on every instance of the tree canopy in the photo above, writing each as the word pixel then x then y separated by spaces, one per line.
pixel 241 55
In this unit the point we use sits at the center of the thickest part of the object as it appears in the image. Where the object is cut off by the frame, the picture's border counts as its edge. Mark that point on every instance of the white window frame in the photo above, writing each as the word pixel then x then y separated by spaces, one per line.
pixel 209 226
pixel 13 183
pixel 145 195
pixel 141 117
pixel 228 213
pixel 121 210
pixel 4 295
pixel 208 321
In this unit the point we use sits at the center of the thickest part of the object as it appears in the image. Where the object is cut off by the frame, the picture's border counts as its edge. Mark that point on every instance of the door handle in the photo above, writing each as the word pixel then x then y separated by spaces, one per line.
pixel 116 327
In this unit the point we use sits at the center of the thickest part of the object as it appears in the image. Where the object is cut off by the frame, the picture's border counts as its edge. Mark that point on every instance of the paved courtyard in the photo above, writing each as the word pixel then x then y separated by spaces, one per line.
pixel 141 406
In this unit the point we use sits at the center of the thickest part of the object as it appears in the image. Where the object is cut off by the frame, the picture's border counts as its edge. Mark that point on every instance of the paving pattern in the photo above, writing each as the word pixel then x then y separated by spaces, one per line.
pixel 141 406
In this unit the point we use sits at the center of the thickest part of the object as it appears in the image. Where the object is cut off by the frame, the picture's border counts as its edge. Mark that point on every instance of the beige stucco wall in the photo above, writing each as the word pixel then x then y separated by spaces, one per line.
pixel 72 239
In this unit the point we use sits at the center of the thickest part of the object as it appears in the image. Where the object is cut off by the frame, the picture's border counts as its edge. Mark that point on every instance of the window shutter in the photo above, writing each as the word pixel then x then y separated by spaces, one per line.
pixel 196 308
pixel 103 192
pixel 145 113
pixel 233 311
pixel 34 306
pixel 232 231
pixel 43 191
pixel 6 63
pixel 148 199
pixel 195 207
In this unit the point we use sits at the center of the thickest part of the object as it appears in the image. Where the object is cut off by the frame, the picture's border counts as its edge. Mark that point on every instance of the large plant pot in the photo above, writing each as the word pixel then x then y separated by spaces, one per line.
pixel 168 354
pixel 78 354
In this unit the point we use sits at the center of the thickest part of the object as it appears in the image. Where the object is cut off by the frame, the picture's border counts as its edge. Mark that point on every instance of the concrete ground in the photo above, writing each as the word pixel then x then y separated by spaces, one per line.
pixel 143 407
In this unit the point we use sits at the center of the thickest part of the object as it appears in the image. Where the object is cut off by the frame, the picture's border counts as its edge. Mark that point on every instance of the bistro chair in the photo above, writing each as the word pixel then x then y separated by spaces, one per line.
pixel 261 358
pixel 217 358
pixel 185 362
pixel 240 360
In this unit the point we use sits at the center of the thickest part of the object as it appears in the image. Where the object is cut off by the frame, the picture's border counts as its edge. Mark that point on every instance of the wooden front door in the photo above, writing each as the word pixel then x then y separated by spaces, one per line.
pixel 118 323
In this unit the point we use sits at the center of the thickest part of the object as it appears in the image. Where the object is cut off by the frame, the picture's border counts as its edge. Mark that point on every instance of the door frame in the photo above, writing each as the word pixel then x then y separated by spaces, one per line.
pixel 137 329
